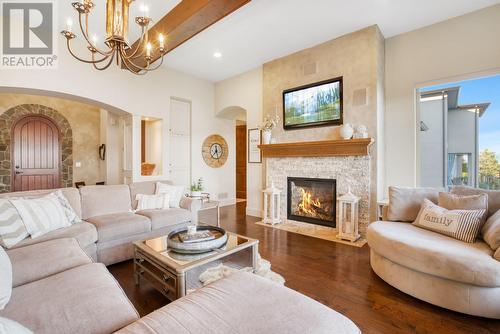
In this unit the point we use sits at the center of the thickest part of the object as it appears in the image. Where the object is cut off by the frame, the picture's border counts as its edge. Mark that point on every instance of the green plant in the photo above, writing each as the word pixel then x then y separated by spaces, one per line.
pixel 198 185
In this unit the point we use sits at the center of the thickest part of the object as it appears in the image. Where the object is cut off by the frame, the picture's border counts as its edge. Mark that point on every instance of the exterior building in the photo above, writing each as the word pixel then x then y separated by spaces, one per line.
pixel 448 137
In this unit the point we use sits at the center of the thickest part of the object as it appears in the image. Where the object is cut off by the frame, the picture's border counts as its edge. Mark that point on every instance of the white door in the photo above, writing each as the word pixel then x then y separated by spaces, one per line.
pixel 179 154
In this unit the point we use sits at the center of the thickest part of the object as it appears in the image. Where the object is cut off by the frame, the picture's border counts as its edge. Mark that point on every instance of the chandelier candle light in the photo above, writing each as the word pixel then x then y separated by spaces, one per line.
pixel 117 19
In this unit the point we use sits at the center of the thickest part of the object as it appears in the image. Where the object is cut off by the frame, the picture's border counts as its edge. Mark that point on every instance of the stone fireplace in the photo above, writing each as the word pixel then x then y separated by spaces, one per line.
pixel 312 200
pixel 346 162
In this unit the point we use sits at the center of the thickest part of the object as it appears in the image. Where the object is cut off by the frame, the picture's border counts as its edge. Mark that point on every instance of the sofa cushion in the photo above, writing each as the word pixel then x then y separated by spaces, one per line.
pixel 174 192
pixel 84 233
pixel 117 226
pixel 491 231
pixel 71 194
pixel 463 225
pixel 245 304
pixel 85 299
pixel 105 200
pixel 12 228
pixel 497 254
pixel 34 262
pixel 405 203
pixel 493 196
pixel 152 202
pixel 5 278
pixel 464 202
pixel 168 217
pixel 435 254
pixel 146 188
pixel 8 326
pixel 41 215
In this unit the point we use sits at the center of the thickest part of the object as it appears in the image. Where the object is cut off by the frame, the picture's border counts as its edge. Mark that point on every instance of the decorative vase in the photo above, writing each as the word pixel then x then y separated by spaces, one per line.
pixel 346 131
pixel 266 136
pixel 195 193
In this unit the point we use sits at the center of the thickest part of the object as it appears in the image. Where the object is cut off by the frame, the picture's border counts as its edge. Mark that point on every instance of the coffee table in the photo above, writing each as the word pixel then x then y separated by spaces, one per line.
pixel 175 275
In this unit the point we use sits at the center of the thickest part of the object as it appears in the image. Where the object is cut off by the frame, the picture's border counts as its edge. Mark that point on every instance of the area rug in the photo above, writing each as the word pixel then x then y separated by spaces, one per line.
pixel 263 269
pixel 315 231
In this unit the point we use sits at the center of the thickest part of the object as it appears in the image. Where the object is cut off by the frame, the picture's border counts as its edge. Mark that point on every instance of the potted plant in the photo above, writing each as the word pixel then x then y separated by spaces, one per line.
pixel 197 188
pixel 270 122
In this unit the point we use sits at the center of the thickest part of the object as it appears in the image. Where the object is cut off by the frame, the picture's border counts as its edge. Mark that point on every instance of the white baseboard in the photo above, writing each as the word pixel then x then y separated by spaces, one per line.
pixel 227 202
pixel 254 212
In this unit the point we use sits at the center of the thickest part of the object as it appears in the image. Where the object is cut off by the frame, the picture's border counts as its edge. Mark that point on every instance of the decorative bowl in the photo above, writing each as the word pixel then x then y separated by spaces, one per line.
pixel 175 244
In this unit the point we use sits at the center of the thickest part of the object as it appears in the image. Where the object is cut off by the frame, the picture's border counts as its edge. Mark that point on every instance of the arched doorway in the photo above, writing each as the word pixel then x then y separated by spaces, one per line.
pixel 8 121
pixel 35 154
pixel 239 115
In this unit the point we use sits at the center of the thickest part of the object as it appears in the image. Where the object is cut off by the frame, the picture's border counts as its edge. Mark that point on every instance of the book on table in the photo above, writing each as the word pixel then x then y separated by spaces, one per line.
pixel 196 237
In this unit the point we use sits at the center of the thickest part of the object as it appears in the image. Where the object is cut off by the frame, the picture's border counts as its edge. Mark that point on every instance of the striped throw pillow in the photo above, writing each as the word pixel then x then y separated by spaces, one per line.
pixel 151 202
pixel 459 224
pixel 41 215
pixel 12 229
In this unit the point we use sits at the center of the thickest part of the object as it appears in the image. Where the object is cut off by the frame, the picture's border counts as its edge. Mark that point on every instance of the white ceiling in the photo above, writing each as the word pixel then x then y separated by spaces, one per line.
pixel 264 30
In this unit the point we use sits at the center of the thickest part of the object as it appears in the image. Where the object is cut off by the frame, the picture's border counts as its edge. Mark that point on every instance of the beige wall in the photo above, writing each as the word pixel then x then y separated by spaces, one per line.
pixel 358 58
pixel 84 120
pixel 460 48
pixel 245 91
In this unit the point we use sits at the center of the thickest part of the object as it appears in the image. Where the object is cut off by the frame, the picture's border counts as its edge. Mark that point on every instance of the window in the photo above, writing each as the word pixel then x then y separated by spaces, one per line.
pixel 459 134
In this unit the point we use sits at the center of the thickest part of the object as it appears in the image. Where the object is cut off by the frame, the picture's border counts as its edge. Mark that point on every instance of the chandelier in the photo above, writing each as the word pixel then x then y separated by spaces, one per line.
pixel 137 59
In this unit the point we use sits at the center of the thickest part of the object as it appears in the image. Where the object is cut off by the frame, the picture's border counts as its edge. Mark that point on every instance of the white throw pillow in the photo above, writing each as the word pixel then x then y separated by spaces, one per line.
pixel 151 202
pixel 68 209
pixel 8 326
pixel 174 192
pixel 459 224
pixel 41 215
pixel 12 229
pixel 5 278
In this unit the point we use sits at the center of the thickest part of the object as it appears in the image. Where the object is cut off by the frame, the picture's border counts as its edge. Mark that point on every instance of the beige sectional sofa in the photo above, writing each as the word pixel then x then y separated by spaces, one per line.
pixel 57 287
pixel 453 274
pixel 110 223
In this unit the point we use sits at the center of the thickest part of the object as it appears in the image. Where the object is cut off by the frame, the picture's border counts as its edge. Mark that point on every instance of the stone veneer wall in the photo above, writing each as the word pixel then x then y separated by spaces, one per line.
pixel 358 57
pixel 9 118
pixel 348 171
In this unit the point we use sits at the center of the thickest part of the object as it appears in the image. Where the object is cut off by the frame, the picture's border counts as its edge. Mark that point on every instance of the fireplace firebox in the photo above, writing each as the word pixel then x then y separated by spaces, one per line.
pixel 312 200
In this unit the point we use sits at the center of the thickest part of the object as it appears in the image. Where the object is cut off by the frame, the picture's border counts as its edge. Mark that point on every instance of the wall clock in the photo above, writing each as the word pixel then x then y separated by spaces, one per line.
pixel 215 151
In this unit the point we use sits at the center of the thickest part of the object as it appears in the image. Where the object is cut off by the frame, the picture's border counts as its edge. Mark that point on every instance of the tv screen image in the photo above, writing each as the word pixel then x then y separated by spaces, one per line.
pixel 313 105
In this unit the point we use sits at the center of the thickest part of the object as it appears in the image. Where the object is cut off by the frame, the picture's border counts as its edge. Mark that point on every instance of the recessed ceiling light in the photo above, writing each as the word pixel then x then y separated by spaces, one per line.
pixel 217 55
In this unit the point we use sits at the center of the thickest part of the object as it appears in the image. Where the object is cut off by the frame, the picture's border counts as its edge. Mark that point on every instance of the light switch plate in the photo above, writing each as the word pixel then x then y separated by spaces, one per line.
pixel 78 164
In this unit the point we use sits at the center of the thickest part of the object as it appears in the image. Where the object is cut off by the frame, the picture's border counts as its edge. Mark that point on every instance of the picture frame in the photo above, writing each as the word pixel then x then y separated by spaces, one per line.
pixel 313 105
pixel 254 140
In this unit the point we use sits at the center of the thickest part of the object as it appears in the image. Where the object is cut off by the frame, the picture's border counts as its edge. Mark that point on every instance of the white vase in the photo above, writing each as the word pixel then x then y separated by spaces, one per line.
pixel 346 131
pixel 195 193
pixel 266 136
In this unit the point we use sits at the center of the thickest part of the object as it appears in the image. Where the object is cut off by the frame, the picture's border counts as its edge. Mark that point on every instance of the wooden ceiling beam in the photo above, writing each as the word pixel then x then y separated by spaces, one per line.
pixel 186 20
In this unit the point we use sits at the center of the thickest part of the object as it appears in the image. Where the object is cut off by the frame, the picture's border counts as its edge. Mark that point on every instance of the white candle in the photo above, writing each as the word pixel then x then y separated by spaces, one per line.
pixel 162 40
pixel 148 50
pixel 69 25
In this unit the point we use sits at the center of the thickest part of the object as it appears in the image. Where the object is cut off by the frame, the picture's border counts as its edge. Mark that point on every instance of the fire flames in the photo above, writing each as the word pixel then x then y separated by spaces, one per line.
pixel 309 205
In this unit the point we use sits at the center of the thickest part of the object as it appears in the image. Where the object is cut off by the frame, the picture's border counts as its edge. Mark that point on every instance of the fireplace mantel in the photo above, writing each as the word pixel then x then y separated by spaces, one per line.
pixel 325 148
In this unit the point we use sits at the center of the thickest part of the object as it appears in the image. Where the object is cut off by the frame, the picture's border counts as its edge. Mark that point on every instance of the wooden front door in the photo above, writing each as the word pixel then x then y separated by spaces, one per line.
pixel 36 154
pixel 241 161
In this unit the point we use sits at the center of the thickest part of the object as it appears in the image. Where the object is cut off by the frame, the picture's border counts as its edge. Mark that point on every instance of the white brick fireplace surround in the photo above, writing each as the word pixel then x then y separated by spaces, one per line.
pixel 348 170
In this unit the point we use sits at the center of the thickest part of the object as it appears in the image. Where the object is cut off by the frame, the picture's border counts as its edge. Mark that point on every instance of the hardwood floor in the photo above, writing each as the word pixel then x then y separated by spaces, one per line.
pixel 336 275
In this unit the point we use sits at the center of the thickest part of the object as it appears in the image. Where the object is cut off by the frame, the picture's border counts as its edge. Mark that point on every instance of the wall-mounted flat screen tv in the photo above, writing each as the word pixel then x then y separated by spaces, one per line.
pixel 317 104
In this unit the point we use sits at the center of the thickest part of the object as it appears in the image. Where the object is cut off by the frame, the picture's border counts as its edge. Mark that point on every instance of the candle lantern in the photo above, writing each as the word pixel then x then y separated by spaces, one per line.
pixel 272 206
pixel 348 225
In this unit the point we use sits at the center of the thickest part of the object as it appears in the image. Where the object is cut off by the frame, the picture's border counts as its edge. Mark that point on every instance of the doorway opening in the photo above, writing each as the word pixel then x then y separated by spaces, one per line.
pixel 239 116
pixel 459 134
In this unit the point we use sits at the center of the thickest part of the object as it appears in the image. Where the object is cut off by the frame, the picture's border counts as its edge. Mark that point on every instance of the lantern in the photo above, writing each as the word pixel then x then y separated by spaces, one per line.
pixel 272 205
pixel 348 225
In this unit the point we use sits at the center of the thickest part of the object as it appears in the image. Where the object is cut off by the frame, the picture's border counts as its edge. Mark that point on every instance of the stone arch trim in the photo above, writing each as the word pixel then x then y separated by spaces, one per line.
pixel 9 118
